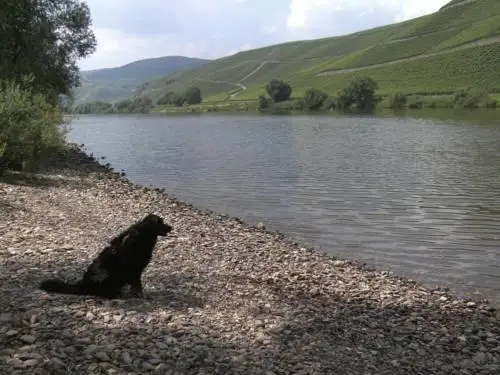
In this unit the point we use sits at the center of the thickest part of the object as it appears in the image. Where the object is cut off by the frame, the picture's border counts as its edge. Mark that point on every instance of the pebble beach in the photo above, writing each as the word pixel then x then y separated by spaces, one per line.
pixel 222 297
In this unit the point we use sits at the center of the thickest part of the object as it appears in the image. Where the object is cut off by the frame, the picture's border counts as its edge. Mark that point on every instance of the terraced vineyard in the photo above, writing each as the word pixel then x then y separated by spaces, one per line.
pixel 455 47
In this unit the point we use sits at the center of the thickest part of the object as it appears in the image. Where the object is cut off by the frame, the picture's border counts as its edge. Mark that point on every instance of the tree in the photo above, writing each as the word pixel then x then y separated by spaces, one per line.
pixel 142 104
pixel 166 99
pixel 470 98
pixel 193 96
pixel 279 90
pixel 263 102
pixel 171 98
pixel 314 99
pixel 397 100
pixel 360 92
pixel 44 38
pixel 330 103
pixel 29 126
pixel 94 107
pixel 123 105
pixel 299 104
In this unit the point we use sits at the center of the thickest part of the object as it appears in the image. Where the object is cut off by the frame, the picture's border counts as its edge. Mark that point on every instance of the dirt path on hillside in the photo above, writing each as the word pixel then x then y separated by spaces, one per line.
pixel 242 87
pixel 238 84
pixel 477 43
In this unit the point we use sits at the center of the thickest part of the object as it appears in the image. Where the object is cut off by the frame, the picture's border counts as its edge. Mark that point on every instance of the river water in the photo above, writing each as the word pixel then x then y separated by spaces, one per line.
pixel 418 196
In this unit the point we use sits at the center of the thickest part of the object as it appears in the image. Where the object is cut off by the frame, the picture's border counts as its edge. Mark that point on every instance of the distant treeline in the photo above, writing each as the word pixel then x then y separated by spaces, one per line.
pixel 360 95
pixel 141 104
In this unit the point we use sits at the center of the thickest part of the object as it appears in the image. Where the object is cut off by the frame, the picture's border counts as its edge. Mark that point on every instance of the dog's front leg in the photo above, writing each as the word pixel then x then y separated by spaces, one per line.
pixel 136 285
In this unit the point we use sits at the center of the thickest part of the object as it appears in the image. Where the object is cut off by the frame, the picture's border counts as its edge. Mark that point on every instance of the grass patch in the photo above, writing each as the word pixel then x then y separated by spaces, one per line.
pixel 474 67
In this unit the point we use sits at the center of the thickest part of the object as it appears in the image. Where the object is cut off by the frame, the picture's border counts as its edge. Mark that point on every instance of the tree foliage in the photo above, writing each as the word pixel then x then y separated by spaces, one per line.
pixel 330 103
pixel 193 96
pixel 29 126
pixel 94 107
pixel 44 38
pixel 471 98
pixel 279 90
pixel 171 98
pixel 263 102
pixel 140 104
pixel 299 104
pixel 360 92
pixel 397 100
pixel 314 99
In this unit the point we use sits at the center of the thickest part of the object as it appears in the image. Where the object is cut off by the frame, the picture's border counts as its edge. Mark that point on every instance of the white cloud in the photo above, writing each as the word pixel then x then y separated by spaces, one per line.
pixel 116 48
pixel 412 9
pixel 304 13
pixel 128 30
pixel 271 29
pixel 301 10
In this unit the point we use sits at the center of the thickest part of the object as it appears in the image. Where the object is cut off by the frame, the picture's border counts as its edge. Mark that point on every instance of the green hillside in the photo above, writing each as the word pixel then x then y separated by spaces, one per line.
pixel 119 83
pixel 455 47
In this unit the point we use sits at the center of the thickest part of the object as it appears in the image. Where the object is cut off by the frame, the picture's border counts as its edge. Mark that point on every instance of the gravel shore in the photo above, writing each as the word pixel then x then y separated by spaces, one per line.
pixel 222 297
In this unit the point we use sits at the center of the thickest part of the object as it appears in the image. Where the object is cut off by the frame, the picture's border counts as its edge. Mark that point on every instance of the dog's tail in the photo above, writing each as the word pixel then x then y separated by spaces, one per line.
pixel 60 286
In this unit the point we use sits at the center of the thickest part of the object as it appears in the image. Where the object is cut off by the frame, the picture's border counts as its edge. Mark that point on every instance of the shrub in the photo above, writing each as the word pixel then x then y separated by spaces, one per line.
pixel 415 102
pixel 279 90
pixel 263 102
pixel 314 99
pixel 330 103
pixel 140 104
pixel 30 127
pixel 343 100
pixel 172 98
pixel 94 107
pixel 360 94
pixel 299 104
pixel 470 98
pixel 193 96
pixel 397 101
pixel 492 103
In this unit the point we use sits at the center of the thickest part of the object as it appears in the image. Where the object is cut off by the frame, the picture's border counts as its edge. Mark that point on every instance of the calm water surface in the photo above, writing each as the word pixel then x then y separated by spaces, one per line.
pixel 420 197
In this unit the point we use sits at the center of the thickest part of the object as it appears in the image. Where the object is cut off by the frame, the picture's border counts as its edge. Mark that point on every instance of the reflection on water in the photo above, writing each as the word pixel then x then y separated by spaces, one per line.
pixel 418 196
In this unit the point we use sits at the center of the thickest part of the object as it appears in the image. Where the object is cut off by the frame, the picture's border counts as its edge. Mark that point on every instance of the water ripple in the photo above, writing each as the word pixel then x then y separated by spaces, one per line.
pixel 420 197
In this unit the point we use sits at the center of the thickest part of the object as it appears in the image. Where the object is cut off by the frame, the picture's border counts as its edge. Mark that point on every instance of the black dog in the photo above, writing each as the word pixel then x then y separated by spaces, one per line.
pixel 121 262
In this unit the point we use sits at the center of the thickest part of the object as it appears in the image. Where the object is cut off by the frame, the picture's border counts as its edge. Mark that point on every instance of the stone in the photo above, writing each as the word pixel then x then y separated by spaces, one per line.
pixel 30 362
pixel 126 358
pixel 29 339
pixel 5 317
pixel 102 356
pixel 479 358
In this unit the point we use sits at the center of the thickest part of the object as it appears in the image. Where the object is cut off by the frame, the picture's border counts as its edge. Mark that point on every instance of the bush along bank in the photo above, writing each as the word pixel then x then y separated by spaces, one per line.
pixel 361 96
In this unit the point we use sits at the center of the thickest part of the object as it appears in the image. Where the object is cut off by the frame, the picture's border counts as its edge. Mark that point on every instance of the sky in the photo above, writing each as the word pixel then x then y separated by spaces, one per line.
pixel 130 30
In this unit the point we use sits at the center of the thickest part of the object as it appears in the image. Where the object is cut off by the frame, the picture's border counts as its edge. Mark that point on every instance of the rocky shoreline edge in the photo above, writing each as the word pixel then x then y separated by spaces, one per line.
pixel 223 296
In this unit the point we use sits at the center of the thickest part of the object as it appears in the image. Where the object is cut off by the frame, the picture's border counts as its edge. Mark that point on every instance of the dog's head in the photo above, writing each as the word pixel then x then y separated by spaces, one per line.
pixel 156 225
